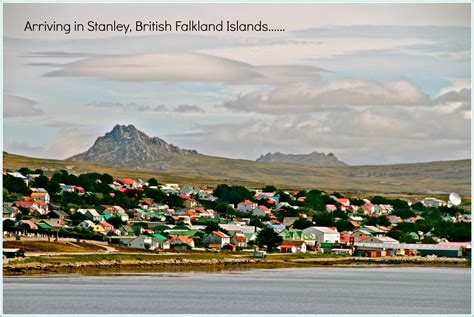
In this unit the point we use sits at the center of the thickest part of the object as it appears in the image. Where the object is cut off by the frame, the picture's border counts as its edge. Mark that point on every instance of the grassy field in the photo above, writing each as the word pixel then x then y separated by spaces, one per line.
pixel 45 246
pixel 200 170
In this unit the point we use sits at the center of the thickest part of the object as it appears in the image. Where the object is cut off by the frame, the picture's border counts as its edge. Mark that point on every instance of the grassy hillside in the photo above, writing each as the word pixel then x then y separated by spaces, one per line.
pixel 201 170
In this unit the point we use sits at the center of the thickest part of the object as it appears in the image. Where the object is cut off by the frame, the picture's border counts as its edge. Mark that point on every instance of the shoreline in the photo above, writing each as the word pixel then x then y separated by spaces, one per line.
pixel 217 264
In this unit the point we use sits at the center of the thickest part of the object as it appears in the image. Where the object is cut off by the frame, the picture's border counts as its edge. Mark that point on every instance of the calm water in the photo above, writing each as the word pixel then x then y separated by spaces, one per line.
pixel 271 291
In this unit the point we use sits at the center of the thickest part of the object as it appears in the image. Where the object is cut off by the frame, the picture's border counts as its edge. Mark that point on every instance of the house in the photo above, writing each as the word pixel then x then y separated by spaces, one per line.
pixel 433 202
pixel 217 237
pixel 181 242
pixel 288 221
pixel 190 202
pixel 369 231
pixel 380 239
pixel 107 226
pixel 344 202
pixel 42 196
pixel 331 208
pixel 308 237
pixel 90 214
pixel 246 206
pixel 323 234
pixel 128 183
pixel 98 228
pixel 261 211
pixel 26 224
pixel 293 246
pixel 86 224
pixel 239 240
pixel 153 242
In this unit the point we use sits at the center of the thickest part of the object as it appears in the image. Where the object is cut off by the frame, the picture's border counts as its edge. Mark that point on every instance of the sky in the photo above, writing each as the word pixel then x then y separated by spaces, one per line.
pixel 372 83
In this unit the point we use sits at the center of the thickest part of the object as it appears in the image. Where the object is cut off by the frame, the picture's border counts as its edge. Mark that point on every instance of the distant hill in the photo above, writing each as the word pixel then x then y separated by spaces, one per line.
pixel 130 147
pixel 314 158
pixel 433 178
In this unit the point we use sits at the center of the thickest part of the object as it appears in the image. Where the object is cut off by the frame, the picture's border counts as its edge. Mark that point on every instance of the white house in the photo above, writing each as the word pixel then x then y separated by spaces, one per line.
pixel 148 243
pixel 90 214
pixel 324 234
pixel 86 224
pixel 261 211
pixel 246 206
pixel 217 237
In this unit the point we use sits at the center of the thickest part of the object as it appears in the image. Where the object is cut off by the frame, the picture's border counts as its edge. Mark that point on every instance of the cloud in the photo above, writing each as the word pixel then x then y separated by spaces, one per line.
pixel 358 136
pixel 136 107
pixel 60 146
pixel 15 106
pixel 186 67
pixel 187 108
pixel 334 95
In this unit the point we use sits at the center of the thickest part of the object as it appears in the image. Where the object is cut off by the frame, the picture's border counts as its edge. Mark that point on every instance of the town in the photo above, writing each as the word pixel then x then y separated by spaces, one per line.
pixel 156 217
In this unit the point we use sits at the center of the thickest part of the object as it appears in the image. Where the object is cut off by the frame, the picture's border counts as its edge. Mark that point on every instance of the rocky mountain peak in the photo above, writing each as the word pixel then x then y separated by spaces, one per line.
pixel 125 145
pixel 313 158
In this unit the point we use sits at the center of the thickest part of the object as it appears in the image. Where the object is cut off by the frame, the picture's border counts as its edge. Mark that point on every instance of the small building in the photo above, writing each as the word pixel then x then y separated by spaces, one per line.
pixel 246 206
pixel 324 234
pixel 217 237
pixel 13 253
pixel 293 246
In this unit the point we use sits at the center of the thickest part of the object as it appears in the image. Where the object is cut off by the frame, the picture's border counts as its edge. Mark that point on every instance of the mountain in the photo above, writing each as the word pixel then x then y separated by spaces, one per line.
pixel 129 147
pixel 314 158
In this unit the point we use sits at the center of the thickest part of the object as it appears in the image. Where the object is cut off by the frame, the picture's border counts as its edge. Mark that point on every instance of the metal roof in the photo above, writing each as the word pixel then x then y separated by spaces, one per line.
pixel 410 246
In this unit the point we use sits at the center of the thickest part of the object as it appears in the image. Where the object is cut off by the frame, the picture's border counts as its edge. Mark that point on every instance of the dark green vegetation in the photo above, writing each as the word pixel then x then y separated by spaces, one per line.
pixel 201 170
pixel 431 223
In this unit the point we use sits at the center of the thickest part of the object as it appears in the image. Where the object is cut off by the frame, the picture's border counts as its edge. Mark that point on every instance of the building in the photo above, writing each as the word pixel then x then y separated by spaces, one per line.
pixel 293 246
pixel 323 234
pixel 217 237
pixel 246 206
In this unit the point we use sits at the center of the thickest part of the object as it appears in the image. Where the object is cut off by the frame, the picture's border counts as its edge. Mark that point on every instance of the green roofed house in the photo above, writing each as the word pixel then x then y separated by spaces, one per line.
pixel 44 226
pixel 159 237
pixel 189 233
pixel 308 237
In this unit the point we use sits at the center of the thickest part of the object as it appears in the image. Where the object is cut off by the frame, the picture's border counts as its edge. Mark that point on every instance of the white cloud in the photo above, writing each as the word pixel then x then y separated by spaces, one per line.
pixel 186 67
pixel 358 136
pixel 15 106
pixel 334 95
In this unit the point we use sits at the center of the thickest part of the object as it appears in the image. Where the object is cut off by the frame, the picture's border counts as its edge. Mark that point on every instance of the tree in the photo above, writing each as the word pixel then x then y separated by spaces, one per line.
pixel 256 222
pixel 153 182
pixel 15 185
pixel 214 226
pixel 302 223
pixel 25 171
pixel 269 189
pixel 232 194
pixel 269 238
pixel 52 187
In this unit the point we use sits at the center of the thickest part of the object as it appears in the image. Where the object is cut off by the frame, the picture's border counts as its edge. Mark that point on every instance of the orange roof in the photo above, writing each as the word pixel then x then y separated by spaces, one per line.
pixel 221 234
pixel 127 181
pixel 239 238
pixel 344 201
pixel 247 202
pixel 41 203
pixel 183 239
pixel 38 194
pixel 214 245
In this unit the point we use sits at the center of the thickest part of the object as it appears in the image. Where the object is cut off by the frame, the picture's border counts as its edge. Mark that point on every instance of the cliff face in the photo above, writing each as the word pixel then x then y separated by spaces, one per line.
pixel 127 146
pixel 314 158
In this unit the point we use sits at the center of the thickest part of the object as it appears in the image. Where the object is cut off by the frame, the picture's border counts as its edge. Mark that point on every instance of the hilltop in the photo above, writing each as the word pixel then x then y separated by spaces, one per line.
pixel 313 158
pixel 127 146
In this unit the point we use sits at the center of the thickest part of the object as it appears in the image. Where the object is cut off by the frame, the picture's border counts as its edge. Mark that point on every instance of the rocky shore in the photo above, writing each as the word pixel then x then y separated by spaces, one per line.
pixel 182 264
